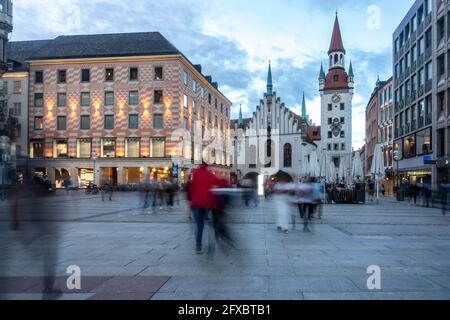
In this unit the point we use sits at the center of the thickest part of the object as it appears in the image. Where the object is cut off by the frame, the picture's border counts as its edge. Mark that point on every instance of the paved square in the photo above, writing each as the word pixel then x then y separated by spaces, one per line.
pixel 125 253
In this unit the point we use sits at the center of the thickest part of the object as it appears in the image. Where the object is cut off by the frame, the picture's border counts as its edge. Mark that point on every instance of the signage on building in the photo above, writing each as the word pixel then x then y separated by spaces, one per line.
pixel 442 163
pixel 175 170
pixel 429 160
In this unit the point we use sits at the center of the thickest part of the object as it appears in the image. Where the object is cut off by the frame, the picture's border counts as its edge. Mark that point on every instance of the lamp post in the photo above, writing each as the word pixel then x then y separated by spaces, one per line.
pixel 94 158
pixel 325 175
pixel 397 158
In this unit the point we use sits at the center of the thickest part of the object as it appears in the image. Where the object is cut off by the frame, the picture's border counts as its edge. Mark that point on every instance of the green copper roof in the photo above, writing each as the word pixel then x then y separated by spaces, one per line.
pixel 322 73
pixel 350 70
pixel 304 115
pixel 241 120
pixel 269 81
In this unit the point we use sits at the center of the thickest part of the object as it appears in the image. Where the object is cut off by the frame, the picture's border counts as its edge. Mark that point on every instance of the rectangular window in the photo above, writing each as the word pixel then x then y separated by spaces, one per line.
pixel 17 87
pixel 429 68
pixel 133 121
pixel 133 98
pixel 185 78
pixel 17 110
pixel 194 86
pixel 409 147
pixel 342 106
pixel 85 75
pixel 109 74
pixel 158 121
pixel 60 148
pixel 185 101
pixel 342 120
pixel 330 135
pixel 85 122
pixel 158 97
pixel 202 92
pixel 132 148
pixel 329 147
pixel 37 149
pixel 38 123
pixel 158 147
pixel 62 99
pixel 330 107
pixel 108 148
pixel 85 99
pixel 343 146
pixel 62 76
pixel 134 74
pixel 84 149
pixel 342 134
pixel 424 142
pixel 38 100
pixel 336 147
pixel 39 77
pixel 61 123
pixel 330 121
pixel 109 98
pixel 109 122
pixel 159 73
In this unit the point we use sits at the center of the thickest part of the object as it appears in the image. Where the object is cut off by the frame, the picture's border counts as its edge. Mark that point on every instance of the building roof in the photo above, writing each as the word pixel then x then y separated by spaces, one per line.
pixel 99 46
pixel 20 51
pixel 336 39
pixel 342 82
pixel 105 45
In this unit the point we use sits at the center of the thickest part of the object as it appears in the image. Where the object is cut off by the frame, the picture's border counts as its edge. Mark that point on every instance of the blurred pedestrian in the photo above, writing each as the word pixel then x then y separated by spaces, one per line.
pixel 107 190
pixel 201 199
pixel 444 189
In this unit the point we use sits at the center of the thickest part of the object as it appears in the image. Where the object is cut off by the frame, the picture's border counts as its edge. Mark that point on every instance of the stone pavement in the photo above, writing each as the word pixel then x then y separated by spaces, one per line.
pixel 125 253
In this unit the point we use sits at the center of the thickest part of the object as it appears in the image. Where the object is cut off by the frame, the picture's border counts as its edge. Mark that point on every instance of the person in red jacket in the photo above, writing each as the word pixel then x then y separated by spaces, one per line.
pixel 201 198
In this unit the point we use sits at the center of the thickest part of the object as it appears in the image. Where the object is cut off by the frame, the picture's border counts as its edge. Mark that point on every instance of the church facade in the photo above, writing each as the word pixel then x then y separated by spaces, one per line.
pixel 274 141
pixel 336 89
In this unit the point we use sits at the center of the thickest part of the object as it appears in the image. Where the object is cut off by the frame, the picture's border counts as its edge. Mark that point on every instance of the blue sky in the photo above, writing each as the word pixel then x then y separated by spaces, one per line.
pixel 235 39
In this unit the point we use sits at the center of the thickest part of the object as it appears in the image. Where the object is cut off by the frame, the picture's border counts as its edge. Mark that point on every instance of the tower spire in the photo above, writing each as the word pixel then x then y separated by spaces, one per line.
pixel 241 120
pixel 336 40
pixel 269 80
pixel 304 115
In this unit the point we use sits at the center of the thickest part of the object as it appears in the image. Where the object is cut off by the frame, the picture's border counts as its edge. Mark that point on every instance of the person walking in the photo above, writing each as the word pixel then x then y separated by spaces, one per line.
pixel 203 181
pixel 107 190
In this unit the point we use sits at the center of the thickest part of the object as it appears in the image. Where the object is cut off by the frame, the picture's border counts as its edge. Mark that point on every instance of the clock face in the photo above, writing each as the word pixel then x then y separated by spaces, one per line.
pixel 336 98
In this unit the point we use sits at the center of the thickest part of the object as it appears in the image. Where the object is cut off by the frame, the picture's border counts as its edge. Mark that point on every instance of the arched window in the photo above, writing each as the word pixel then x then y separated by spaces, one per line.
pixel 331 61
pixel 287 155
pixel 336 58
pixel 269 148
pixel 342 59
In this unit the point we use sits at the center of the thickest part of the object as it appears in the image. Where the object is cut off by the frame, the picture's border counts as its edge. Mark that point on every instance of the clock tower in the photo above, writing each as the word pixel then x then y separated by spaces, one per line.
pixel 336 91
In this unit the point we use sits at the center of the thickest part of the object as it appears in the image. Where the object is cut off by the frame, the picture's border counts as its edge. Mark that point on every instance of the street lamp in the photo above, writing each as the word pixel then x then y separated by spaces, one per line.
pixel 94 157
pixel 397 158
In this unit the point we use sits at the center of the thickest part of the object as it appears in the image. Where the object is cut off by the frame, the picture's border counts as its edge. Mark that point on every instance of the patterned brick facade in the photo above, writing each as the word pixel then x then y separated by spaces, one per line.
pixel 172 108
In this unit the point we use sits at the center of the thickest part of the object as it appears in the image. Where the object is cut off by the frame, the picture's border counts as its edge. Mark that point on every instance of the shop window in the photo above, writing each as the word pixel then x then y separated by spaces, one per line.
pixel 424 142
pixel 60 148
pixel 132 148
pixel 84 148
pixel 37 149
pixel 158 147
pixel 409 147
pixel 108 148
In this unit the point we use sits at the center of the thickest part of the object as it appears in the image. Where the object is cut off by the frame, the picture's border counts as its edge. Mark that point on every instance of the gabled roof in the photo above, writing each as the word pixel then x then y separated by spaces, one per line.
pixel 336 40
pixel 106 45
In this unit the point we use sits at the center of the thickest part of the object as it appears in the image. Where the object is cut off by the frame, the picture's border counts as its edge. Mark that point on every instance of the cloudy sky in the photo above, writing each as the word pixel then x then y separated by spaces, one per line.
pixel 235 39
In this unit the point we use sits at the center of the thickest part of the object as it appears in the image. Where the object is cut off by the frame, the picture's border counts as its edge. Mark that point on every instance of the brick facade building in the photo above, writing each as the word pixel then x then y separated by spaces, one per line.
pixel 122 108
